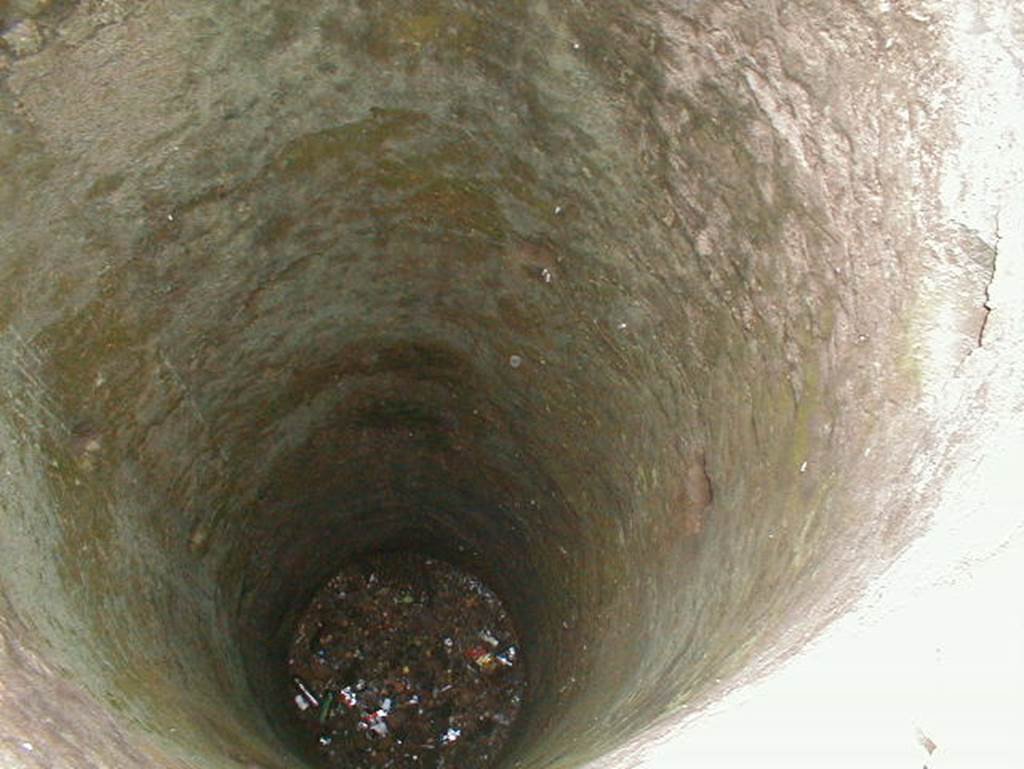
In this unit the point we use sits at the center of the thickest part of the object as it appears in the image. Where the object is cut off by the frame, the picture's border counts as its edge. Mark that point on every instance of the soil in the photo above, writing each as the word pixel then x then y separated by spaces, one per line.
pixel 405 661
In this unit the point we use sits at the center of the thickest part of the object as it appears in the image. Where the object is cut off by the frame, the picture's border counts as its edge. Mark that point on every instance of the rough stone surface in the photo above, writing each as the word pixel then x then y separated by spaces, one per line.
pixel 264 269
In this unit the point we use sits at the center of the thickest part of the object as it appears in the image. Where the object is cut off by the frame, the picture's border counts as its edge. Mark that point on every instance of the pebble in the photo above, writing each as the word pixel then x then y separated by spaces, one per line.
pixel 24 38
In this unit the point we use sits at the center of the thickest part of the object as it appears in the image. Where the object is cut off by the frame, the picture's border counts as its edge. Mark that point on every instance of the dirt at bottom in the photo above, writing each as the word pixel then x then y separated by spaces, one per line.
pixel 405 661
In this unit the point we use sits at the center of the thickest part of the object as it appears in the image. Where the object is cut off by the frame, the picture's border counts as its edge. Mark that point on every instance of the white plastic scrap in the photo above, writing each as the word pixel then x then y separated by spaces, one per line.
pixel 301 702
pixel 486 637
pixel 375 723
pixel 508 658
pixel 305 693
pixel 450 736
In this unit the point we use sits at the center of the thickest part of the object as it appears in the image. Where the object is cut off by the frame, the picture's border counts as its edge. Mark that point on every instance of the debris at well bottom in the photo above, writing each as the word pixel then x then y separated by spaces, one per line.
pixel 405 661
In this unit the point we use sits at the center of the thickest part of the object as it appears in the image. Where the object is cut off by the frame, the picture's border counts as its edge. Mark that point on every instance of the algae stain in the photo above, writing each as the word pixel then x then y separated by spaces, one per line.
pixel 438 186
pixel 809 406
pixel 459 204
pixel 347 144
pixel 409 32
pixel 105 185
pixel 420 28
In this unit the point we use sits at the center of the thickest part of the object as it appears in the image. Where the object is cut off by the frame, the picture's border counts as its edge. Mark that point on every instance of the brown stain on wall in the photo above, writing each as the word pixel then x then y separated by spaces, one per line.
pixel 696 494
